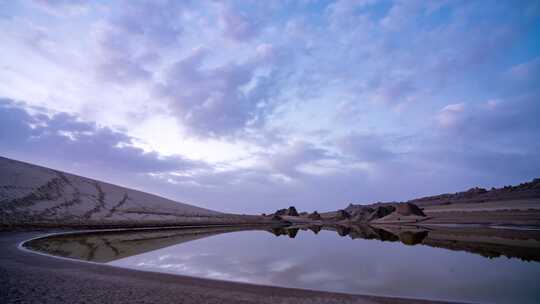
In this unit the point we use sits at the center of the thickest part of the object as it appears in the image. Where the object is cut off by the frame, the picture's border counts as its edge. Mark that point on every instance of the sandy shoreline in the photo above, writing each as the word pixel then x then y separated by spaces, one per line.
pixel 26 277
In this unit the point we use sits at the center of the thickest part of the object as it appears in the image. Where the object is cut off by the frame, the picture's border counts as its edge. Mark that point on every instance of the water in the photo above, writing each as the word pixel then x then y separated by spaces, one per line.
pixel 331 260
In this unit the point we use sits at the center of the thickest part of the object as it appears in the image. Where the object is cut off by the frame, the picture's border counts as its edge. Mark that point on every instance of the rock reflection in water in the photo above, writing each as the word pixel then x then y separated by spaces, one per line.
pixel 408 237
pixel 109 246
pixel 487 242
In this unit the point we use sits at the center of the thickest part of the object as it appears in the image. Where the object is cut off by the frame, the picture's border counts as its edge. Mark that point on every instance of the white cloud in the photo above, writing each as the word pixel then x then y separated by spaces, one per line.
pixel 451 115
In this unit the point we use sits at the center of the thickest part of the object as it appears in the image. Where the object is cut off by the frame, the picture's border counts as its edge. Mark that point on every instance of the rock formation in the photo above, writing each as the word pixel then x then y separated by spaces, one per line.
pixel 408 209
pixel 355 214
pixel 314 216
pixel 343 215
pixel 381 212
pixel 291 211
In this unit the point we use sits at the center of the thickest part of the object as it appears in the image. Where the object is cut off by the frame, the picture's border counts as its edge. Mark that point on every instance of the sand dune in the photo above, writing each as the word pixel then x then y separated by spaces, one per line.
pixel 31 195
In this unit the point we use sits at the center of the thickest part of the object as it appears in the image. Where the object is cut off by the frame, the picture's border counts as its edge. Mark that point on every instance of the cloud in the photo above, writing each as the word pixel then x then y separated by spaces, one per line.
pixel 451 115
pixel 61 7
pixel 153 45
pixel 292 160
pixel 400 14
pixel 512 118
pixel 393 91
pixel 65 137
pixel 218 100
pixel 492 139
pixel 130 43
pixel 366 148
pixel 236 26
pixel 119 60
pixel 525 75
pixel 346 12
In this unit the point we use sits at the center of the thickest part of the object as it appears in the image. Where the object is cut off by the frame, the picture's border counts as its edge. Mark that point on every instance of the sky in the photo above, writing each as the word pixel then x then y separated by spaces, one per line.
pixel 250 106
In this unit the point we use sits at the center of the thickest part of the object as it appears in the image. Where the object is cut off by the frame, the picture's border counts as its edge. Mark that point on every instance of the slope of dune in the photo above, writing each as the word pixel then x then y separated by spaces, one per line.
pixel 31 195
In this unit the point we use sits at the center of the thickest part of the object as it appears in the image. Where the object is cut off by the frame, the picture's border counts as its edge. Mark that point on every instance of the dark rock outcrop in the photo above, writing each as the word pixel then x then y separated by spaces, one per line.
pixel 291 211
pixel 314 216
pixel 381 212
pixel 280 212
pixel 409 209
pixel 342 215
pixel 277 217
pixel 366 214
pixel 370 213
pixel 361 214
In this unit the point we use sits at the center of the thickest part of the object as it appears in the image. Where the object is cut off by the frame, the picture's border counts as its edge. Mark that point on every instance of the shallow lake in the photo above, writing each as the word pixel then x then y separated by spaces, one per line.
pixel 450 265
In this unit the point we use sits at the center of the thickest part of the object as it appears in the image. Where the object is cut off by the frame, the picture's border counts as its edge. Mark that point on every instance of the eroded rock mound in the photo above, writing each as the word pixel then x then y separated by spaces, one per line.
pixel 409 209
pixel 361 214
pixel 366 214
pixel 343 215
pixel 314 216
pixel 381 212
pixel 291 211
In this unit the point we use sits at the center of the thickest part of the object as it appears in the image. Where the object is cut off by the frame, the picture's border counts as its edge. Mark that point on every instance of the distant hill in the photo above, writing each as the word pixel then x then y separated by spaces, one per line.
pixel 522 191
pixel 509 205
pixel 31 195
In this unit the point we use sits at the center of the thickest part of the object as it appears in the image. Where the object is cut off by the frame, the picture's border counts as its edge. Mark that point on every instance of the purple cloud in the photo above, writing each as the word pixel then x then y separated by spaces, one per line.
pixel 236 26
pixel 218 100
pixel 77 143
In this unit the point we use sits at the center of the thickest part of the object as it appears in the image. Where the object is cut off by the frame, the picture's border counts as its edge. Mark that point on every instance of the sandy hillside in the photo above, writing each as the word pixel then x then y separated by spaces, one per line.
pixel 31 195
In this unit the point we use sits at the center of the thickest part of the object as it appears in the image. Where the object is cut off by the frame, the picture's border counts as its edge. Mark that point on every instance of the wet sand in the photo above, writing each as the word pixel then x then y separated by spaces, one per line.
pixel 27 277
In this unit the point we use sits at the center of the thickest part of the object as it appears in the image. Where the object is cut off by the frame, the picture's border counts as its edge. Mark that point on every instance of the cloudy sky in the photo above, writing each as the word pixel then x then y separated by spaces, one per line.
pixel 249 106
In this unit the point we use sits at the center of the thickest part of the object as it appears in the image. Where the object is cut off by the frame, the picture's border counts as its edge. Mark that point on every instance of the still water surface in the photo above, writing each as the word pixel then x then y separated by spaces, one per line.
pixel 323 261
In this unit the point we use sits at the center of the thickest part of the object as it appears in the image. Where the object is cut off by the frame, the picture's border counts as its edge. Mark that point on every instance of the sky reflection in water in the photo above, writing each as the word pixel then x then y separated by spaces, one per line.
pixel 329 262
